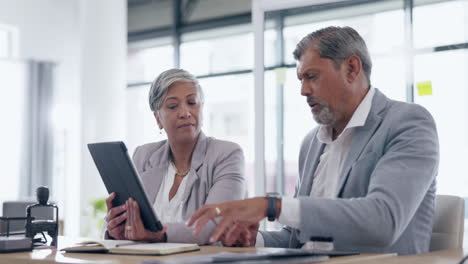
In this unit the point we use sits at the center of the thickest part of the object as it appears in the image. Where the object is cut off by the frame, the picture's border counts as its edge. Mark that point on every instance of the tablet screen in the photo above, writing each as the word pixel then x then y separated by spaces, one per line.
pixel 119 176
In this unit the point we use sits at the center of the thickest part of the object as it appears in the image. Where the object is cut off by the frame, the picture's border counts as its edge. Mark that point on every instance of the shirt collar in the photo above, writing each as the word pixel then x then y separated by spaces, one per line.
pixel 358 118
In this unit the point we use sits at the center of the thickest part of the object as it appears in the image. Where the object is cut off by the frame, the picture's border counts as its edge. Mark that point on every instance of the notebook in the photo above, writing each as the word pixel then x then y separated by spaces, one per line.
pixel 129 247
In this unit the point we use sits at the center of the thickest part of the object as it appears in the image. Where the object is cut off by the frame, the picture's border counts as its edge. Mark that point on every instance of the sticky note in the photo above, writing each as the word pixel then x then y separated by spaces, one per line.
pixel 424 88
pixel 280 75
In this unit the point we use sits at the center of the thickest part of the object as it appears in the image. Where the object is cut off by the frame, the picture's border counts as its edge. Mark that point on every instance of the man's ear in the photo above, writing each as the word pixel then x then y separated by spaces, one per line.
pixel 353 67
pixel 158 119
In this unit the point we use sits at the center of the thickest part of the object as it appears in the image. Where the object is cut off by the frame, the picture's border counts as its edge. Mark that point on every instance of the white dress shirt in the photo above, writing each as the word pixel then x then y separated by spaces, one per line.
pixel 169 211
pixel 330 165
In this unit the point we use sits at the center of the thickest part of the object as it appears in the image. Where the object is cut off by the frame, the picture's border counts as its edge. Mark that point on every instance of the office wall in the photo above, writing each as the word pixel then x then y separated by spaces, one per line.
pixel 104 57
pixel 87 41
pixel 48 30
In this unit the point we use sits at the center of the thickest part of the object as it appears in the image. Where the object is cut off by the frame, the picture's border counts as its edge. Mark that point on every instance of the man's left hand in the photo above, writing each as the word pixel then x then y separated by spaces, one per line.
pixel 244 212
pixel 240 235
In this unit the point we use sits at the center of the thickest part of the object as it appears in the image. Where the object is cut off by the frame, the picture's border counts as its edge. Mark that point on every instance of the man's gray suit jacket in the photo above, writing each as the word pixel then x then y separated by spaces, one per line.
pixel 386 190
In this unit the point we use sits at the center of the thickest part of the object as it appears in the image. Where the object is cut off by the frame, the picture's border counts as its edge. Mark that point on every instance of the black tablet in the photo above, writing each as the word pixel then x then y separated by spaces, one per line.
pixel 119 176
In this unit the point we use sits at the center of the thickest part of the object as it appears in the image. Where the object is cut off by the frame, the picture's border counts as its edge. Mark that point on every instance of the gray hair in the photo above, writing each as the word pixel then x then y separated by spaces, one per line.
pixel 161 84
pixel 337 44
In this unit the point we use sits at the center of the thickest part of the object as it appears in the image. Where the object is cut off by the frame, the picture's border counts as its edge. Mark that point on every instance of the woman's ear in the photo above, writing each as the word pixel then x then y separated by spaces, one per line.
pixel 158 119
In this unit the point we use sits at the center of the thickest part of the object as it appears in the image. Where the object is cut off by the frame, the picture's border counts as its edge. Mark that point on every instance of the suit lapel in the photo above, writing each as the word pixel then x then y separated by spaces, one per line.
pixel 154 173
pixel 361 137
pixel 311 162
pixel 156 170
pixel 152 179
pixel 198 156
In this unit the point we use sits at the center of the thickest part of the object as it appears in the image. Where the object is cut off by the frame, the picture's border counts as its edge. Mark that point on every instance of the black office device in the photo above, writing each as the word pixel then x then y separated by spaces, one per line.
pixel 34 227
pixel 119 176
pixel 13 241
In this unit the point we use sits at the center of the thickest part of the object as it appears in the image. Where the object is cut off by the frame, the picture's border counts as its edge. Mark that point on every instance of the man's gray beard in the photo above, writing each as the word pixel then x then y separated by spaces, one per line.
pixel 324 116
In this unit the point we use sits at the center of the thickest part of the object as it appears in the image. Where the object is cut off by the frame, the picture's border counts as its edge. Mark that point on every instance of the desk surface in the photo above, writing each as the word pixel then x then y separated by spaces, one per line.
pixel 449 256
pixel 52 256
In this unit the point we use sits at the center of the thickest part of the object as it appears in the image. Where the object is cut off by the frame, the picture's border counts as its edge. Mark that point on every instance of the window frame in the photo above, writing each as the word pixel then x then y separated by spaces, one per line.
pixel 281 10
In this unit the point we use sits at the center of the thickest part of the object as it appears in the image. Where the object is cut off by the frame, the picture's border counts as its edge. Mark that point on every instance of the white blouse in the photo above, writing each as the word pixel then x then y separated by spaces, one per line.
pixel 170 211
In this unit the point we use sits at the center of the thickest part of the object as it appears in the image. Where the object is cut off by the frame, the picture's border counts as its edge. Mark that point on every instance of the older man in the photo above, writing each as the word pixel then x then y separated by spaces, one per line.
pixel 366 174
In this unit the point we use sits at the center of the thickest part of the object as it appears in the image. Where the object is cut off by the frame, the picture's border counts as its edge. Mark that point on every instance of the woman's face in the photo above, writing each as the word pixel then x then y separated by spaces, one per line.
pixel 181 113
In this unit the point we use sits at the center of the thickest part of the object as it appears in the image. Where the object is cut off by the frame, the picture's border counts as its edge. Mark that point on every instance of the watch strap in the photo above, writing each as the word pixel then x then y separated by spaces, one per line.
pixel 271 211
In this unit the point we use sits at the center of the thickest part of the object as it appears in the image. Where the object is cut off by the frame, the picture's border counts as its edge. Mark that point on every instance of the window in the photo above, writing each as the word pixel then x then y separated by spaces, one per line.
pixel 448 103
pixel 12 112
pixel 215 55
pixel 440 83
pixel 440 24
pixel 227 115
pixel 141 124
pixel 444 74
pixel 144 65
pixel 229 99
pixel 297 122
pixel 385 43
pixel 8 41
pixel 4 45
pixel 437 25
pixel 440 48
pixel 384 39
pixel 228 108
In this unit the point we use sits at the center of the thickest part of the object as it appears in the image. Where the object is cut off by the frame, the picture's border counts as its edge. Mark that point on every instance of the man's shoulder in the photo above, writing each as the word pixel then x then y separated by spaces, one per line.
pixel 398 111
pixel 408 121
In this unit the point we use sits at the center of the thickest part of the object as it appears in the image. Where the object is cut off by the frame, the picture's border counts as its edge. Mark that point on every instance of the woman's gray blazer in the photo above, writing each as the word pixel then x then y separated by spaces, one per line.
pixel 216 176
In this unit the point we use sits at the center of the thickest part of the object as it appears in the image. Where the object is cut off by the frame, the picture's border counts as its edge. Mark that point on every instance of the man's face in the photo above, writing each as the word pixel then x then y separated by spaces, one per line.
pixel 323 85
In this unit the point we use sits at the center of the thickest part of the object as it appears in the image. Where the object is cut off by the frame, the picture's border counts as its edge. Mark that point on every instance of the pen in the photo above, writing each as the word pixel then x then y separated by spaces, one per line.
pixel 129 244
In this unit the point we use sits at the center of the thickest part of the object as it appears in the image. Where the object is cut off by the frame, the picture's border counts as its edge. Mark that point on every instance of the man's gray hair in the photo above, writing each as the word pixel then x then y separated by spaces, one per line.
pixel 161 84
pixel 337 44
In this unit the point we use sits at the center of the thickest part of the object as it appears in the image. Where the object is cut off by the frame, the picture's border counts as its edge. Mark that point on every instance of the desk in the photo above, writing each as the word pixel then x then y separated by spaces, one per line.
pixel 52 256
pixel 449 256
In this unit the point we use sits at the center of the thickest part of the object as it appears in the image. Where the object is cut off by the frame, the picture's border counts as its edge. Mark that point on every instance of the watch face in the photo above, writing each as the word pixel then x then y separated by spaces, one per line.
pixel 273 194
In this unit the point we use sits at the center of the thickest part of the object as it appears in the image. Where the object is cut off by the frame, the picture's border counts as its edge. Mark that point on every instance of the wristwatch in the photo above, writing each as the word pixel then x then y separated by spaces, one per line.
pixel 271 209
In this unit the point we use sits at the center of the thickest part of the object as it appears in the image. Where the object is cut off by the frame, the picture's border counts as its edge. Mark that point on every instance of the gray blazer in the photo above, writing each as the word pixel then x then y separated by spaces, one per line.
pixel 216 176
pixel 386 189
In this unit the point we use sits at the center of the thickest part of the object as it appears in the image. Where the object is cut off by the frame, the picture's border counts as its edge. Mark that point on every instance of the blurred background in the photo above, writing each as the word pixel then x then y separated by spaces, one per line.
pixel 74 72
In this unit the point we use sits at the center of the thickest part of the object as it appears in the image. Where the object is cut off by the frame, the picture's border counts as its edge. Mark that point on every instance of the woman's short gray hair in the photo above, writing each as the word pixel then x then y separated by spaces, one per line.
pixel 337 44
pixel 161 84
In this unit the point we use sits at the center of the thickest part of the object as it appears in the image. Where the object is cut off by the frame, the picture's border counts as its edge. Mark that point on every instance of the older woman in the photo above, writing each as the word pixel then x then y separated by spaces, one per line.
pixel 182 173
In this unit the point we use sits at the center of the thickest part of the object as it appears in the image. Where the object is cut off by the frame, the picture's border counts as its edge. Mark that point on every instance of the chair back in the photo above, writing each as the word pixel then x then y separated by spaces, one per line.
pixel 18 209
pixel 448 228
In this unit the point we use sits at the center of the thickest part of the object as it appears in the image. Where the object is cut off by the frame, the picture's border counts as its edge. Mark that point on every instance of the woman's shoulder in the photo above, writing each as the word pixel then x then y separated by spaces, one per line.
pixel 144 152
pixel 226 157
pixel 150 147
pixel 219 144
pixel 222 148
